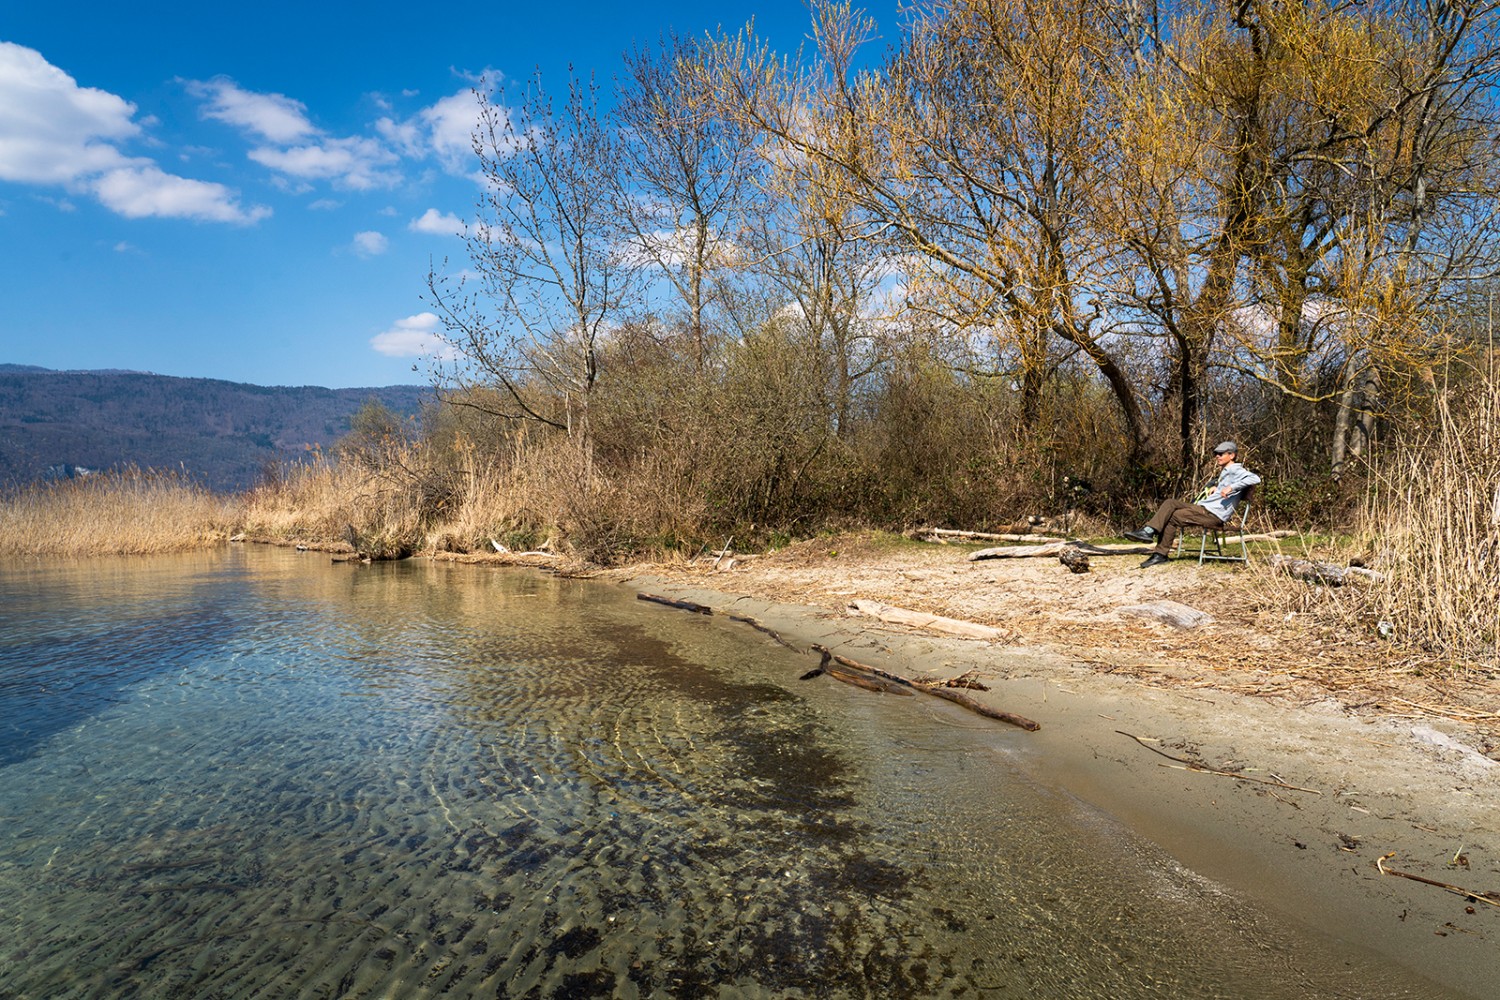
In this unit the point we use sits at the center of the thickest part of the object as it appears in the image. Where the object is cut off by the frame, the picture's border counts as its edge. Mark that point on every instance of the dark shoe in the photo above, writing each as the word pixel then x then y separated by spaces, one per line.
pixel 1143 535
pixel 1155 559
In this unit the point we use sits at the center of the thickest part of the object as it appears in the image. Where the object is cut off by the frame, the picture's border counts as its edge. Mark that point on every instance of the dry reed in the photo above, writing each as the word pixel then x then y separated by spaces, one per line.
pixel 1433 521
pixel 128 512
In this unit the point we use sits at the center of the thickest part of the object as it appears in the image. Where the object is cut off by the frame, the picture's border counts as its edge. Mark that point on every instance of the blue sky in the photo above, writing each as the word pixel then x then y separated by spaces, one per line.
pixel 254 193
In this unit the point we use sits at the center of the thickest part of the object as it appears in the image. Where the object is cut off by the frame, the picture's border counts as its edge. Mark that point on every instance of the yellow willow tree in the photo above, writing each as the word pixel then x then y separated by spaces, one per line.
pixel 973 149
pixel 1290 180
pixel 1433 237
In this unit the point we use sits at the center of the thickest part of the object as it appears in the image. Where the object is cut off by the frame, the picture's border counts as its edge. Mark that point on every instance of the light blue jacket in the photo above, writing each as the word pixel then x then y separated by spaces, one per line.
pixel 1237 478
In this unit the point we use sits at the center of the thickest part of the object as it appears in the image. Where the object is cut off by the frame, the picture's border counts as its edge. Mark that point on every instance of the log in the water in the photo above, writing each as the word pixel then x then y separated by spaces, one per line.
pixel 697 609
pixel 874 673
pixel 868 683
pixel 860 679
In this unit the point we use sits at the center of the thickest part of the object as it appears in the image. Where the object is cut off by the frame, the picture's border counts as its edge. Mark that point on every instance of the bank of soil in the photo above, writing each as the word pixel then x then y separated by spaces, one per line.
pixel 1385 757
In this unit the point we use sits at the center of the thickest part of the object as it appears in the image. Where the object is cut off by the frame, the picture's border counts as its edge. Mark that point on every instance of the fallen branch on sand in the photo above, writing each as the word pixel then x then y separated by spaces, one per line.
pixel 941 534
pixel 1170 613
pixel 1319 572
pixel 1491 898
pixel 1056 549
pixel 760 627
pixel 697 609
pixel 1089 548
pixel 874 676
pixel 1193 765
pixel 922 619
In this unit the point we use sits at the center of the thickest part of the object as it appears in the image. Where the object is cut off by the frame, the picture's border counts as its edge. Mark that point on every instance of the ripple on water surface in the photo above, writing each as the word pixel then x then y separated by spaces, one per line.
pixel 249 774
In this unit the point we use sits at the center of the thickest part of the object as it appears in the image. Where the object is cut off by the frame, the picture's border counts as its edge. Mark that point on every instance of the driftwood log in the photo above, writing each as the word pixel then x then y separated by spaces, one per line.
pixel 760 626
pixel 1170 612
pixel 922 619
pixel 1195 765
pixel 943 534
pixel 1055 549
pixel 1492 898
pixel 1327 573
pixel 697 609
pixel 834 665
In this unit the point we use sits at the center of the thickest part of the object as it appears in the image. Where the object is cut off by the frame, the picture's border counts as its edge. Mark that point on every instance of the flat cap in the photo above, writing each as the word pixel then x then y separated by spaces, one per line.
pixel 1225 446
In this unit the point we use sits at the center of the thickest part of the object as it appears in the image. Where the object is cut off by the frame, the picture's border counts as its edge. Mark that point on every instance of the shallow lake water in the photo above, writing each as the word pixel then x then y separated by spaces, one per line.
pixel 251 773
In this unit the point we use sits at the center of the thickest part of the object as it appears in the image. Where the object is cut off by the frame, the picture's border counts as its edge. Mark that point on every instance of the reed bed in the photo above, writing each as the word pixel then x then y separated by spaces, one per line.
pixel 1433 521
pixel 128 512
pixel 310 502
pixel 1430 524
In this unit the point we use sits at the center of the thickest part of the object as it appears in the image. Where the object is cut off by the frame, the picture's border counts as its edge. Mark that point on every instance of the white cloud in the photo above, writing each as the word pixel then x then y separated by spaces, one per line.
pixel 141 191
pixel 291 144
pixel 370 244
pixel 443 130
pixel 412 337
pixel 405 136
pixel 54 132
pixel 451 123
pixel 437 223
pixel 324 205
pixel 61 204
pixel 273 117
pixel 356 163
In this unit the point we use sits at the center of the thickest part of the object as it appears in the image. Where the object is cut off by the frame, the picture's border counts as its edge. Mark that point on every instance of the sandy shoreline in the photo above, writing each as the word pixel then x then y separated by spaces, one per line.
pixel 1378 780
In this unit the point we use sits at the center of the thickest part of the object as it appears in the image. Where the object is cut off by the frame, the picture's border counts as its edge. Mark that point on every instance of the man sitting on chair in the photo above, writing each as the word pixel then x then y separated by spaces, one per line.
pixel 1212 509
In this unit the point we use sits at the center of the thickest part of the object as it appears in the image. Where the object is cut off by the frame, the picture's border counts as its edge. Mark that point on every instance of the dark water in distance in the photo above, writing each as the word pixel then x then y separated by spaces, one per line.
pixel 250 773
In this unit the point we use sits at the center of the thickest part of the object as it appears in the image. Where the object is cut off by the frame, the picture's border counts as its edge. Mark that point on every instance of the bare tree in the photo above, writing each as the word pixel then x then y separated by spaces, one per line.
pixel 547 274
pixel 683 176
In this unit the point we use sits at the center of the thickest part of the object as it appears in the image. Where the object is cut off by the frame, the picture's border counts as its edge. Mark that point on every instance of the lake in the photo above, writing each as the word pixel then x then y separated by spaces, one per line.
pixel 253 773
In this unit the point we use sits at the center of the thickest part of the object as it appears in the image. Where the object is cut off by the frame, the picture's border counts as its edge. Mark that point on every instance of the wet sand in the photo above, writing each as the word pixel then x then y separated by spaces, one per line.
pixel 1377 781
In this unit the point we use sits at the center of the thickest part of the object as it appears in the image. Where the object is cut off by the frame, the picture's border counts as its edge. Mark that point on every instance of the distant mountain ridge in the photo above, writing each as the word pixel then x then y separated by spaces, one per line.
pixel 221 433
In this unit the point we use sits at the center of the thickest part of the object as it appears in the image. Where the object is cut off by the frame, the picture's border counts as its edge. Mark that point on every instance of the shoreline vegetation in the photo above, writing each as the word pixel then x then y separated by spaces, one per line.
pixel 1427 525
pixel 1027 263
pixel 744 323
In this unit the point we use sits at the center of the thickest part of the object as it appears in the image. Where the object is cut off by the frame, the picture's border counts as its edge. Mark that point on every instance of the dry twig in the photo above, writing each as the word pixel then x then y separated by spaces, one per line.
pixel 1474 897
pixel 1192 765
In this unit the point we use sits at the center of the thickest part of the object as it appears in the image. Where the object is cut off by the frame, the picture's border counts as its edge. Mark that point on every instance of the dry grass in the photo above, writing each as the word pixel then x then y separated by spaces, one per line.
pixel 410 497
pixel 1430 523
pixel 130 512
pixel 1433 521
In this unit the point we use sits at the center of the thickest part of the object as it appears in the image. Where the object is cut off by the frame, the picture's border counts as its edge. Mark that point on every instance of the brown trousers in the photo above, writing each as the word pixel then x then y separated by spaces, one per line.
pixel 1174 515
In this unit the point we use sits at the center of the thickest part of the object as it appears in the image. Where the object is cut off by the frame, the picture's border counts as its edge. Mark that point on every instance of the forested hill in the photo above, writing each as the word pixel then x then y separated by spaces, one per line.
pixel 221 433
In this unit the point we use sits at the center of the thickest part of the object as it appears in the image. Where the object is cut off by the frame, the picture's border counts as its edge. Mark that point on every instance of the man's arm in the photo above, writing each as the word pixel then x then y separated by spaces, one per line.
pixel 1235 477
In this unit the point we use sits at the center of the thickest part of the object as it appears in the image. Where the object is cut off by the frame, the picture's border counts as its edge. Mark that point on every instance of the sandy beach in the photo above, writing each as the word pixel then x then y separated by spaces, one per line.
pixel 1280 761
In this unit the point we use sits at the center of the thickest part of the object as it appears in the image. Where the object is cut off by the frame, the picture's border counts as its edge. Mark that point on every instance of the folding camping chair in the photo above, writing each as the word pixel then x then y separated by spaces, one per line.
pixel 1238 523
